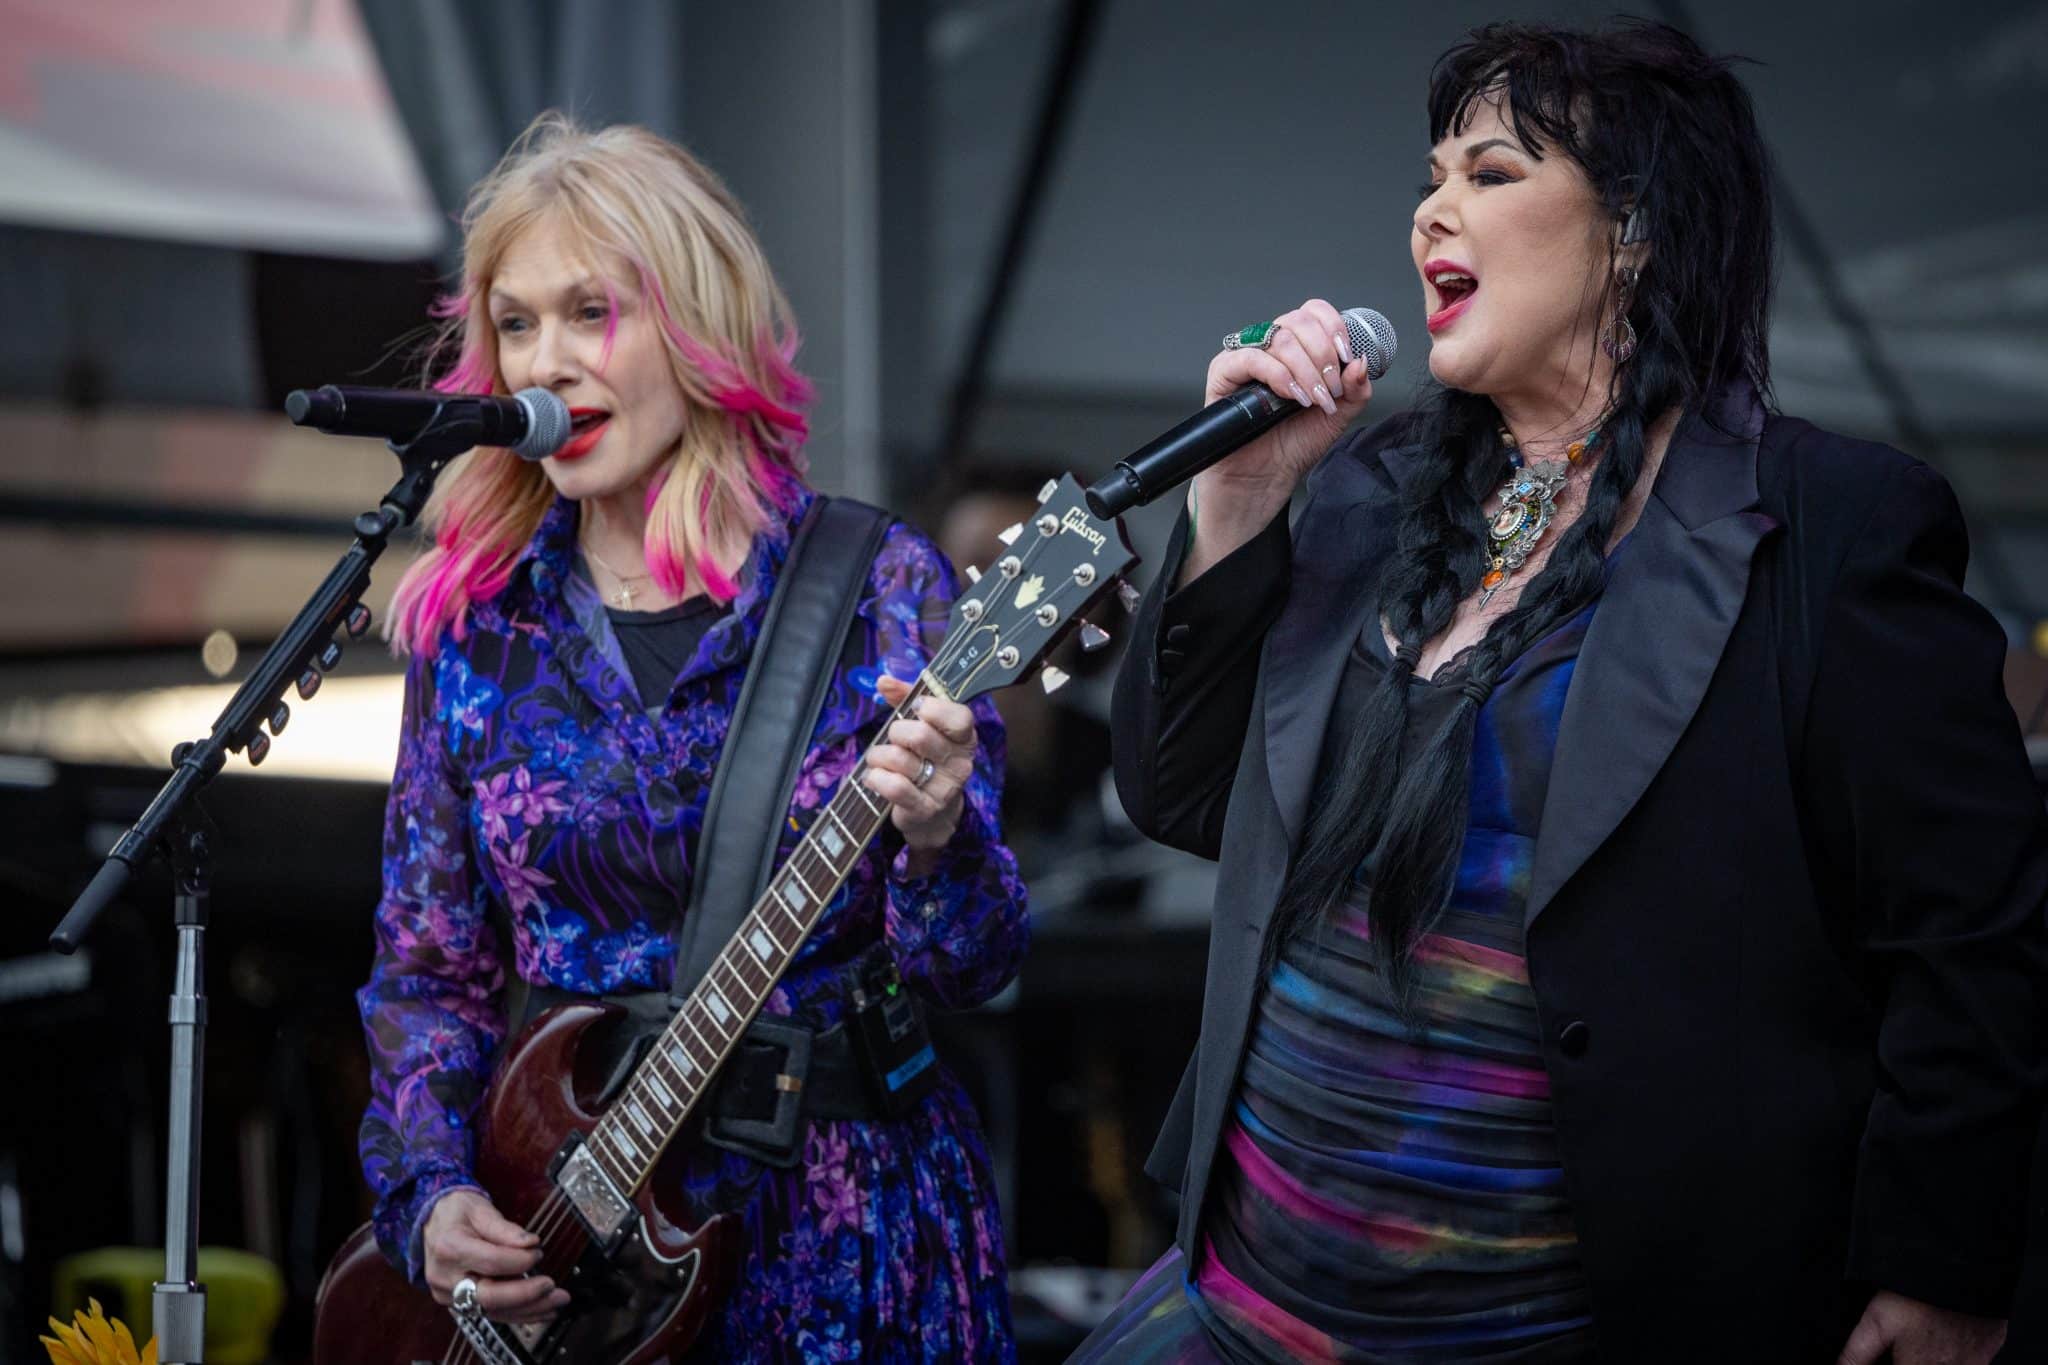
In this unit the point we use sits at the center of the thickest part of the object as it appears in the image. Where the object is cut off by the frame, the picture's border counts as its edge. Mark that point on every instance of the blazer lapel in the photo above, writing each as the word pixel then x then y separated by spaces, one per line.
pixel 1655 640
pixel 1336 588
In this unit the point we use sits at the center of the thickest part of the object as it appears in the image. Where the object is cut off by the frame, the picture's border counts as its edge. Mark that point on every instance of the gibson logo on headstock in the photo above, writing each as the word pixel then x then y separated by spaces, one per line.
pixel 1076 521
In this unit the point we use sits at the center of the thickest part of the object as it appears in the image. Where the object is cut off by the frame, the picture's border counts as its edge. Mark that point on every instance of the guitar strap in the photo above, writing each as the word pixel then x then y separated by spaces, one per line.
pixel 800 642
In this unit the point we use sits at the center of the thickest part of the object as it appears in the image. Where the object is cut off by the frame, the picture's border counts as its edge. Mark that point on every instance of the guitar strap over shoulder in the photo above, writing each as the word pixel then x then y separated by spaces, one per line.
pixel 801 639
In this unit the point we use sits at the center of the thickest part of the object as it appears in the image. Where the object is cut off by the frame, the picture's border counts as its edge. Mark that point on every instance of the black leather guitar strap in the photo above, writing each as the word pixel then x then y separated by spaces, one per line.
pixel 801 639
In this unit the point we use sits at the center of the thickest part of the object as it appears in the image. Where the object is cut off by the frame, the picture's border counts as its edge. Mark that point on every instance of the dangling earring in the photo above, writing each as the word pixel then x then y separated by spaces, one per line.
pixel 1618 339
pixel 1618 334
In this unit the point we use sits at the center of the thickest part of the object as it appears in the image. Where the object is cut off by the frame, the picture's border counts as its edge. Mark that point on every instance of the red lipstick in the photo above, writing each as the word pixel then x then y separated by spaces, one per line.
pixel 1465 291
pixel 588 426
pixel 1444 317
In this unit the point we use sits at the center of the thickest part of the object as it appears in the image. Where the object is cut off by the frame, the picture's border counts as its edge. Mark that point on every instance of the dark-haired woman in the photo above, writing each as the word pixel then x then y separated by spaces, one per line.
pixel 1627 939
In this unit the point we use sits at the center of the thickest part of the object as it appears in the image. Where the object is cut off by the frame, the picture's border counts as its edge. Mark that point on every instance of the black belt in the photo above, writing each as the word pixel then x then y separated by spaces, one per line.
pixel 779 1075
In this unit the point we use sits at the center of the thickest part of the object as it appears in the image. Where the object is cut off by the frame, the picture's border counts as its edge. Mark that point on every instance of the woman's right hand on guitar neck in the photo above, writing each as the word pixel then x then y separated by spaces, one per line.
pixel 1309 361
pixel 466 1237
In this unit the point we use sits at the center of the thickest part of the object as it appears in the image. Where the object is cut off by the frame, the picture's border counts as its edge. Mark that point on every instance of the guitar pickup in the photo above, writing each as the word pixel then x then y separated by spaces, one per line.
pixel 607 1214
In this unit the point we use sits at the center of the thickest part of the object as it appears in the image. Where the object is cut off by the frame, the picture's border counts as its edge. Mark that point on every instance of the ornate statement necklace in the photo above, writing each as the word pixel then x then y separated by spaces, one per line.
pixel 1528 501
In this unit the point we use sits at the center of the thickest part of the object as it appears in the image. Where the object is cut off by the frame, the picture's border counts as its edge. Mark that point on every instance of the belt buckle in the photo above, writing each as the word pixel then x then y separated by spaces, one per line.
pixel 778 1139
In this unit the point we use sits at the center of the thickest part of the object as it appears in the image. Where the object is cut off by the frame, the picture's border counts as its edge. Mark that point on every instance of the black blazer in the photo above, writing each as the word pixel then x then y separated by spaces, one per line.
pixel 1785 924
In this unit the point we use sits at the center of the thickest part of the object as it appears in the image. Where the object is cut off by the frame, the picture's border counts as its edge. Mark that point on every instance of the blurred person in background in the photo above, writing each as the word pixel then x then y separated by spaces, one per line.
pixel 578 634
pixel 1628 933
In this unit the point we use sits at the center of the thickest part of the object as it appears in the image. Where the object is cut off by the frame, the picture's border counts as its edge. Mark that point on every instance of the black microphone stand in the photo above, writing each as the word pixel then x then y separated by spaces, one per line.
pixel 175 826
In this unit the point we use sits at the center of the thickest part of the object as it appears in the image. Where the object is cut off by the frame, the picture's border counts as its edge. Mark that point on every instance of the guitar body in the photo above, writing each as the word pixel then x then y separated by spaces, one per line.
pixel 644 1304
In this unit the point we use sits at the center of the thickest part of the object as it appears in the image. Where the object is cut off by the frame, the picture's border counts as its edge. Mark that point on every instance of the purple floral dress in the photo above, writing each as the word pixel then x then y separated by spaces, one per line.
pixel 532 782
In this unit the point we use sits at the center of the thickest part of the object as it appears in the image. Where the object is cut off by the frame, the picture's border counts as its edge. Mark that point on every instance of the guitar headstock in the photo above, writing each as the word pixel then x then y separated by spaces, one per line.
pixel 1053 568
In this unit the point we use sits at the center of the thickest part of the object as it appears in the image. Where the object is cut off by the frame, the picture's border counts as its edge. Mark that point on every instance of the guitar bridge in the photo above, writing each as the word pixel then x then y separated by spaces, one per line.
pixel 484 1339
pixel 606 1212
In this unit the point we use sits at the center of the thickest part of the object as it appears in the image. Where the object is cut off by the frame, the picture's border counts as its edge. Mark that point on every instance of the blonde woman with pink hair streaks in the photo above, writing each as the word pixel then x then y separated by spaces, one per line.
pixel 578 633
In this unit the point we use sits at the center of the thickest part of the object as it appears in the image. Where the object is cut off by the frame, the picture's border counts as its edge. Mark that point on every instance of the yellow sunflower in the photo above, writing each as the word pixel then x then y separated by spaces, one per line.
pixel 96 1341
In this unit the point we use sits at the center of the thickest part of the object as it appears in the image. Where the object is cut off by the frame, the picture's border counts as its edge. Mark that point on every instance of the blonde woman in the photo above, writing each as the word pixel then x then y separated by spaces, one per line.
pixel 578 634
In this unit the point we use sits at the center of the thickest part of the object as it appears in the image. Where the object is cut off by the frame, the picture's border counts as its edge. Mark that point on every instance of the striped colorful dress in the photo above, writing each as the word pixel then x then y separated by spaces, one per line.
pixel 1386 1192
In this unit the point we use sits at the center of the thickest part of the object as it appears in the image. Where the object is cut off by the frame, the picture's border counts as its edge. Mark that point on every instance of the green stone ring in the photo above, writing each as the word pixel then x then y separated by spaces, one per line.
pixel 1258 336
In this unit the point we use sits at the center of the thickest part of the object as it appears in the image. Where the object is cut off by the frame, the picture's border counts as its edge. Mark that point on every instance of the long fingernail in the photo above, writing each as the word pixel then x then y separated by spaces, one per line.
pixel 1299 396
pixel 1323 397
pixel 1343 340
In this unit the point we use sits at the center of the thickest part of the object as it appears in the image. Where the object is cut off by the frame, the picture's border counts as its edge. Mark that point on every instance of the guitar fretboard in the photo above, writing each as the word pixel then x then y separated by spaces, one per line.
pixel 650 1110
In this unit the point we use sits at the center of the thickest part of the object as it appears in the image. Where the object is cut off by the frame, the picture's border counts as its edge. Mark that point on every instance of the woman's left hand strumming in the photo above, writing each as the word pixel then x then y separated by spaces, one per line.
pixel 920 767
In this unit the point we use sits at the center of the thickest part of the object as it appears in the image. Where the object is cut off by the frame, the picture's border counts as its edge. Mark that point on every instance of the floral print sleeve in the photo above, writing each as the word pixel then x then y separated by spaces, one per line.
pixel 432 1007
pixel 960 932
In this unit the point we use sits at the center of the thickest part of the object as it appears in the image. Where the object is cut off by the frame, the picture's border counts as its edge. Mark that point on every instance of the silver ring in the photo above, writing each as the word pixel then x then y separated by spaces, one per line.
pixel 463 1297
pixel 924 774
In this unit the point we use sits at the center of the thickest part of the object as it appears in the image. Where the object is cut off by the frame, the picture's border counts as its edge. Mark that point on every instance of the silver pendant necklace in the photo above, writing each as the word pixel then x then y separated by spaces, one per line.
pixel 1528 504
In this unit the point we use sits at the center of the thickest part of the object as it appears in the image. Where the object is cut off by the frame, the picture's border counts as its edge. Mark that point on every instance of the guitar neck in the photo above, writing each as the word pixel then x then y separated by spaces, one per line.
pixel 679 1067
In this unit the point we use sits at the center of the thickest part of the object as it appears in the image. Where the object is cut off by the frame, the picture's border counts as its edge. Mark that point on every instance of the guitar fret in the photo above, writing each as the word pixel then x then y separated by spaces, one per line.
pixel 754 989
pixel 687 1067
pixel 639 1117
pixel 867 798
pixel 748 992
pixel 703 1065
pixel 653 1098
pixel 833 816
pixel 763 943
pixel 784 906
pixel 606 1160
pixel 662 1094
pixel 714 1001
pixel 623 1141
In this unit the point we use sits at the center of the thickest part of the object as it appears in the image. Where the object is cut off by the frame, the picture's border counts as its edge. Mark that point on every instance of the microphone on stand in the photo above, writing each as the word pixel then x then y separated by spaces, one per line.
pixel 533 423
pixel 1224 425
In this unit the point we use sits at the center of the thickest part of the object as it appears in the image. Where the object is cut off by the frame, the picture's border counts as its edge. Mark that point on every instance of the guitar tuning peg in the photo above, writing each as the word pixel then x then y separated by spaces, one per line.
pixel 973 574
pixel 1128 595
pixel 1052 679
pixel 1093 637
pixel 1010 533
pixel 1045 493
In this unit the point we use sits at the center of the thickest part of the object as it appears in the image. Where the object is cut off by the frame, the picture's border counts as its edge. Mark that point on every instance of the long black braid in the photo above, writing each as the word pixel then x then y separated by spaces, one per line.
pixel 1666 132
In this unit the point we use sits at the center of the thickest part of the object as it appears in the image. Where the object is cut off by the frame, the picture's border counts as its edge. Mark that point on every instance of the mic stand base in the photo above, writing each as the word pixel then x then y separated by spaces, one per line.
pixel 180 1323
pixel 180 1300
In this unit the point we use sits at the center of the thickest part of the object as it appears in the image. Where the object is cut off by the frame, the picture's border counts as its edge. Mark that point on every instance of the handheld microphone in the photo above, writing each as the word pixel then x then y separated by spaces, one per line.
pixel 1224 425
pixel 533 423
